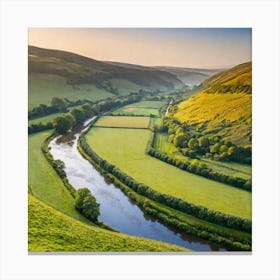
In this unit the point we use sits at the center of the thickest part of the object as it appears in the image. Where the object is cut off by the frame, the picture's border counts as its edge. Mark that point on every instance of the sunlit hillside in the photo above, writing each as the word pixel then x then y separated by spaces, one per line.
pixel 224 107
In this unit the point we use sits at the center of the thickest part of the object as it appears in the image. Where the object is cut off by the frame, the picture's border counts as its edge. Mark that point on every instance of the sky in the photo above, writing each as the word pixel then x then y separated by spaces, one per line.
pixel 181 47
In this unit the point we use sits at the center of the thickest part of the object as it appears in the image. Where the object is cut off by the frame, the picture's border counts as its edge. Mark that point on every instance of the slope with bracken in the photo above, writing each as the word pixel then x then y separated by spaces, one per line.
pixel 224 107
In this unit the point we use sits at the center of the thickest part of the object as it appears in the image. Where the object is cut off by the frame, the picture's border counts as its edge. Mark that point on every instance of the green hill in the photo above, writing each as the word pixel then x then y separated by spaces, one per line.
pixel 224 107
pixel 72 76
pixel 51 231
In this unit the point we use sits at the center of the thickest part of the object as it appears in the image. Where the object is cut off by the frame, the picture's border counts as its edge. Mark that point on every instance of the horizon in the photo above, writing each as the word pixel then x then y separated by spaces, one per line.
pixel 204 48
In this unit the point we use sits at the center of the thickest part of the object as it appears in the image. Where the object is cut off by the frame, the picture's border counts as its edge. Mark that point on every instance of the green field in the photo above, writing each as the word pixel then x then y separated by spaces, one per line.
pixel 44 120
pixel 141 108
pixel 228 168
pixel 50 230
pixel 126 149
pixel 43 181
pixel 128 122
pixel 43 87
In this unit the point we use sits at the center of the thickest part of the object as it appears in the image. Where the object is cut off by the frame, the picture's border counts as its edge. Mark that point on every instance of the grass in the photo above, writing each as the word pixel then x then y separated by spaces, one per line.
pixel 228 168
pixel 142 108
pixel 43 87
pixel 51 231
pixel 128 122
pixel 125 87
pixel 44 120
pixel 43 181
pixel 215 108
pixel 126 149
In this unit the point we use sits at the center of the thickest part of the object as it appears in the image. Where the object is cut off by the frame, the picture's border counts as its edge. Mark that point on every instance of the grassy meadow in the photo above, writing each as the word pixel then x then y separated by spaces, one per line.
pixel 51 231
pixel 126 149
pixel 43 181
pixel 128 122
pixel 141 108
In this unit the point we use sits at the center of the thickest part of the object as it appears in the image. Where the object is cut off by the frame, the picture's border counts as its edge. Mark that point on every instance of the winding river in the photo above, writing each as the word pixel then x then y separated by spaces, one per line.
pixel 116 209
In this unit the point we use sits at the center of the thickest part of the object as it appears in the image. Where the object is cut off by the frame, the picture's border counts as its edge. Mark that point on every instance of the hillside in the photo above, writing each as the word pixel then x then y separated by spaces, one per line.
pixel 235 80
pixel 72 76
pixel 190 76
pixel 224 107
pixel 51 231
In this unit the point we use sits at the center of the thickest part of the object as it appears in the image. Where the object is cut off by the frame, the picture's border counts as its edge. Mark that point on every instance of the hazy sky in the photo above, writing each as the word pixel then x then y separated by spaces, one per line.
pixel 184 47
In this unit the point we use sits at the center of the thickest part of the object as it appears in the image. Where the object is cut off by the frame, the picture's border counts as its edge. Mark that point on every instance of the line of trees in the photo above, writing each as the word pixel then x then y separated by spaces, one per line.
pixel 39 127
pixel 57 165
pixel 173 202
pixel 57 105
pixel 67 121
pixel 202 170
pixel 238 242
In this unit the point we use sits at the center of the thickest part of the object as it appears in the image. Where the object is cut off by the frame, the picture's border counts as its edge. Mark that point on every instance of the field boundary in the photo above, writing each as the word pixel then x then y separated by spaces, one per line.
pixel 206 172
pixel 168 200
pixel 151 209
pixel 121 127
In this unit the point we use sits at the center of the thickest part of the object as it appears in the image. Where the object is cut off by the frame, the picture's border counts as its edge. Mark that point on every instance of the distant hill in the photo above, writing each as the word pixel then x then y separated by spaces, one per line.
pixel 65 74
pixel 190 76
pixel 224 107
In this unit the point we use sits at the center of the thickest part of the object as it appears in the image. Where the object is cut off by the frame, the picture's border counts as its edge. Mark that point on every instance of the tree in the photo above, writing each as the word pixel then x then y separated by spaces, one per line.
pixel 203 142
pixel 78 114
pixel 64 122
pixel 86 204
pixel 215 148
pixel 193 144
pixel 223 149
pixel 180 140
pixel 59 104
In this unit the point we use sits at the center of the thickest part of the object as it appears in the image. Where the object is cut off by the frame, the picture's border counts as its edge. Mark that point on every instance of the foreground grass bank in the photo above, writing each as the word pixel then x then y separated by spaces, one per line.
pixel 44 182
pixel 51 231
pixel 126 149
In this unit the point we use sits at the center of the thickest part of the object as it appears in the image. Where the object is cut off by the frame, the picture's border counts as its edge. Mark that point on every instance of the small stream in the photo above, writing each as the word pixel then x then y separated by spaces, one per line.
pixel 116 209
pixel 167 109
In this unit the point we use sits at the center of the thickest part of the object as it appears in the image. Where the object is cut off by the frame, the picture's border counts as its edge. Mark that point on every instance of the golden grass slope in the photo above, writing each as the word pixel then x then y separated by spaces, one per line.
pixel 215 108
pixel 222 108
pixel 238 75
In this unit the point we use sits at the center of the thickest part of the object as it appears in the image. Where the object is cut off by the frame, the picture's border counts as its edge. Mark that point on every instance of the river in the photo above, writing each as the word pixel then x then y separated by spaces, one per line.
pixel 116 209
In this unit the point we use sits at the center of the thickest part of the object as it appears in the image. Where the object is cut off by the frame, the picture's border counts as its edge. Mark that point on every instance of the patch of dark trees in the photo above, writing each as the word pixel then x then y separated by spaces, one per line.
pixel 194 144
